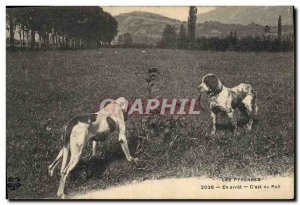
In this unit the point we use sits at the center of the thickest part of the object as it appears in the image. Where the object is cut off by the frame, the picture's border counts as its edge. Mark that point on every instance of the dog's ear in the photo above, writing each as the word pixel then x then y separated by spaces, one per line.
pixel 212 83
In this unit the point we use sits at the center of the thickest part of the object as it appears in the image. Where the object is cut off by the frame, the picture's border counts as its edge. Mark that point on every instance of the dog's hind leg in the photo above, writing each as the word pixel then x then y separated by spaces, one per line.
pixel 255 109
pixel 94 148
pixel 233 121
pixel 124 144
pixel 66 149
pixel 75 156
pixel 248 101
pixel 77 142
pixel 52 166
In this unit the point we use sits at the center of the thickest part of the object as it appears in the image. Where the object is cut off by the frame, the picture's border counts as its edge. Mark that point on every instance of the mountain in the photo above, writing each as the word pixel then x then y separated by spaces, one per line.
pixel 147 28
pixel 141 24
pixel 262 15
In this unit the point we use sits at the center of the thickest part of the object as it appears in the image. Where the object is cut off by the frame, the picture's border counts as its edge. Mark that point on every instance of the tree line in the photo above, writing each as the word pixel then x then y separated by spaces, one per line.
pixel 90 27
pixel 184 40
pixel 170 39
pixel 60 27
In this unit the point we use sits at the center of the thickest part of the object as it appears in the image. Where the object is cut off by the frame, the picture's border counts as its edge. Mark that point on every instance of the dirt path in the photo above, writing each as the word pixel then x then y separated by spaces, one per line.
pixel 190 188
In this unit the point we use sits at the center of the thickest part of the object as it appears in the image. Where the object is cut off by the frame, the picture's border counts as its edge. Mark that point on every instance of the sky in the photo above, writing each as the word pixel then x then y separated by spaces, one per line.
pixel 174 12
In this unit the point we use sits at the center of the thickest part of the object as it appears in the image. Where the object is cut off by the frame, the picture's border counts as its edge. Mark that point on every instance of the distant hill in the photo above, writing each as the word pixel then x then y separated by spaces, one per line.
pixel 144 24
pixel 245 15
pixel 147 28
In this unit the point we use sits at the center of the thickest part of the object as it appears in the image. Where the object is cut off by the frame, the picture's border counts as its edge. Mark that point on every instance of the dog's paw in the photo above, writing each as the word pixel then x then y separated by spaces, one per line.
pixel 134 160
pixel 248 128
pixel 50 171
pixel 213 132
pixel 61 196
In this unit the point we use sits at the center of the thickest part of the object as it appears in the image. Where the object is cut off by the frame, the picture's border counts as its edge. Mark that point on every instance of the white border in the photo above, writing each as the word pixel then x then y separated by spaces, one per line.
pixel 153 2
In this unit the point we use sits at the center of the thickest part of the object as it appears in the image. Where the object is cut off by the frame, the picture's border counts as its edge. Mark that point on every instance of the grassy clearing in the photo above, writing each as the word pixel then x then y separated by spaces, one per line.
pixel 61 84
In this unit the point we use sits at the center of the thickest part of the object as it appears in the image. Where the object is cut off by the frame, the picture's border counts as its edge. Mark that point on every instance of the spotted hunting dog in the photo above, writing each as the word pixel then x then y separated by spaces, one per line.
pixel 226 99
pixel 95 126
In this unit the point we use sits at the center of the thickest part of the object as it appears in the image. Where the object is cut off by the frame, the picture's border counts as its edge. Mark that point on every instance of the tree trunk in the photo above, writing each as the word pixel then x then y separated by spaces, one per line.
pixel 20 36
pixel 40 41
pixel 23 44
pixel 11 32
pixel 53 39
pixel 45 40
pixel 67 42
pixel 64 44
pixel 32 39
pixel 57 40
pixel 61 41
pixel 48 40
pixel 27 37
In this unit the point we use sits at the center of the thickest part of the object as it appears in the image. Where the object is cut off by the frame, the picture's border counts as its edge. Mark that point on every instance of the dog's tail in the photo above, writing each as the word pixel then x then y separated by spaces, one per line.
pixel 254 104
pixel 65 148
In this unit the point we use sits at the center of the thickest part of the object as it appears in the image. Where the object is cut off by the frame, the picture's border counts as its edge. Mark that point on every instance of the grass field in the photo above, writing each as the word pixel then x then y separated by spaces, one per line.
pixel 45 89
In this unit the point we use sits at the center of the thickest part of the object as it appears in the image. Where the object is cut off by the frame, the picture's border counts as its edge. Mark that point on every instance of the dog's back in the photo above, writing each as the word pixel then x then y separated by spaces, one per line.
pixel 84 118
pixel 240 92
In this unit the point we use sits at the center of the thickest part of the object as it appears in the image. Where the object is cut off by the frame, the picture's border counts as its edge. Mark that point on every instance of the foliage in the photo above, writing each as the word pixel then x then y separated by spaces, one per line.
pixel 66 27
pixel 245 44
pixel 192 23
pixel 11 25
pixel 229 43
pixel 169 37
pixel 279 28
pixel 182 37
pixel 126 40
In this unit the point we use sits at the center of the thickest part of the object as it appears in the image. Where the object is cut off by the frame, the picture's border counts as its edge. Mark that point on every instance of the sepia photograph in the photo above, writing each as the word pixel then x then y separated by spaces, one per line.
pixel 150 102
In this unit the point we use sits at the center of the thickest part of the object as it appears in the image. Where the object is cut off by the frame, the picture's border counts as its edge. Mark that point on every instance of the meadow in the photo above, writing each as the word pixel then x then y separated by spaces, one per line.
pixel 45 89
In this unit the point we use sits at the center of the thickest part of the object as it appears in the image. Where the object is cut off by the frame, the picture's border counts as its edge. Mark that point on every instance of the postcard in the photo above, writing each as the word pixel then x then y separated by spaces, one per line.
pixel 143 103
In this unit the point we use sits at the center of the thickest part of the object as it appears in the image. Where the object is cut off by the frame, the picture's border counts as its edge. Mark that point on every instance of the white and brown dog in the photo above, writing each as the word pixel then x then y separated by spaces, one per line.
pixel 226 99
pixel 94 126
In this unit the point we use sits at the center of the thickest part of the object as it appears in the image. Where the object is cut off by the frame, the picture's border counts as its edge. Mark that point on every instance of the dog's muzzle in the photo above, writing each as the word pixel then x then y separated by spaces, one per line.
pixel 201 89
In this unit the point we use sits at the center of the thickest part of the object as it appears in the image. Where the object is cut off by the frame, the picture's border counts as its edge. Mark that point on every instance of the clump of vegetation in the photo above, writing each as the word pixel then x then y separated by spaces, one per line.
pixel 152 74
pixel 164 131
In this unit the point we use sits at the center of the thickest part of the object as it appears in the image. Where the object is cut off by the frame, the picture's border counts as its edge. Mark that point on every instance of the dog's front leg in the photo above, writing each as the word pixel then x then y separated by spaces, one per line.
pixel 124 144
pixel 214 121
pixel 233 121
pixel 94 148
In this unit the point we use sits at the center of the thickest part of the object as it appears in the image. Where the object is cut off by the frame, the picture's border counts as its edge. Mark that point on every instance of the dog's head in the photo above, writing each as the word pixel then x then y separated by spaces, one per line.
pixel 210 85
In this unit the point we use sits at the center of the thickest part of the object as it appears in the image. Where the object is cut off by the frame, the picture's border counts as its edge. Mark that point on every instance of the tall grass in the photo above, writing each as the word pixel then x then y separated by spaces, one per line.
pixel 60 84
